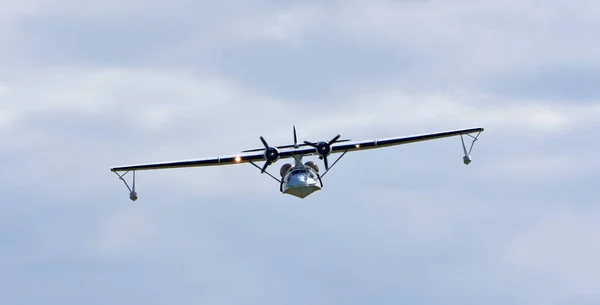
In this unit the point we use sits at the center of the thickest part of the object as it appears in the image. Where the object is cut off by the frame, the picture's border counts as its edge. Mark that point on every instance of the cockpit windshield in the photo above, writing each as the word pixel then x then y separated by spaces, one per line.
pixel 300 173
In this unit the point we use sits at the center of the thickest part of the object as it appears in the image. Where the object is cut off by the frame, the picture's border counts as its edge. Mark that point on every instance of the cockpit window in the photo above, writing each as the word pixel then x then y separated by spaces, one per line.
pixel 297 172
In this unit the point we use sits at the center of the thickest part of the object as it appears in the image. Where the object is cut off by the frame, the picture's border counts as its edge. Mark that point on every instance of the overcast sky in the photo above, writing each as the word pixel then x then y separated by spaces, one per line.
pixel 85 86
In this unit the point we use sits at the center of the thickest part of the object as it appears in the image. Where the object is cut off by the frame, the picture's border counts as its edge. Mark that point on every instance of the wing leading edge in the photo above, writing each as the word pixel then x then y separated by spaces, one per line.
pixel 192 163
pixel 226 160
pixel 380 143
pixel 255 157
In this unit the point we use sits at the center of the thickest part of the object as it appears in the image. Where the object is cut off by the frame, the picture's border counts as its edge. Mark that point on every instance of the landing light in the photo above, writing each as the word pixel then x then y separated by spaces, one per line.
pixel 238 159
pixel 357 145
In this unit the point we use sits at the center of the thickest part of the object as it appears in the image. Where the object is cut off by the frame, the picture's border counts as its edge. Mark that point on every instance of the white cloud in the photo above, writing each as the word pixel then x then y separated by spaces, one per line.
pixel 13 10
pixel 121 234
pixel 484 32
pixel 559 250
pixel 525 167
pixel 288 25
pixel 150 98
pixel 466 39
pixel 394 108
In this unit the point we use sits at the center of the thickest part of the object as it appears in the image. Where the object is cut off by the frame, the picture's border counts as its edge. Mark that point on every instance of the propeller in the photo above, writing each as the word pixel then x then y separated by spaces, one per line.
pixel 271 154
pixel 288 146
pixel 323 149
pixel 295 138
pixel 295 145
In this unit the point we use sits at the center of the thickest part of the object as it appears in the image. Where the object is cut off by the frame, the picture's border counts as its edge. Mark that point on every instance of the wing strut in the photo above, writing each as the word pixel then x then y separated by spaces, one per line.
pixel 132 194
pixel 467 158
pixel 336 161
pixel 264 171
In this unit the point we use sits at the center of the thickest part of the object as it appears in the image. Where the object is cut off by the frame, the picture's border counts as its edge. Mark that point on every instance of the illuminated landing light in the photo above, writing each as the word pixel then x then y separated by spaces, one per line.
pixel 357 145
pixel 238 159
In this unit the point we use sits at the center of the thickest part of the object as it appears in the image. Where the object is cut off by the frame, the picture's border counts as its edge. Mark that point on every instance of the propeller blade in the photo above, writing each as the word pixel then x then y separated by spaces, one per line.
pixel 265 167
pixel 326 163
pixel 288 146
pixel 311 144
pixel 264 142
pixel 295 138
pixel 278 147
pixel 334 139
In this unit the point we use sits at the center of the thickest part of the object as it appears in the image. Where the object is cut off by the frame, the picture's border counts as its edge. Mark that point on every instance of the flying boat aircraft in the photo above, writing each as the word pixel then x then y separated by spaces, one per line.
pixel 299 179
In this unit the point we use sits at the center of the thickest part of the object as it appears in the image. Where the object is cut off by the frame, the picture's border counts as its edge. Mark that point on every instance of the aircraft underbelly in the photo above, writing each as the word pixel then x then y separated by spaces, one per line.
pixel 301 185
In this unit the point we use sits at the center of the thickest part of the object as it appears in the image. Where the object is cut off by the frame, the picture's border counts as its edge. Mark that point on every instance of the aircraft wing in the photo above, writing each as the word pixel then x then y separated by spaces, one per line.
pixel 371 144
pixel 305 151
pixel 226 160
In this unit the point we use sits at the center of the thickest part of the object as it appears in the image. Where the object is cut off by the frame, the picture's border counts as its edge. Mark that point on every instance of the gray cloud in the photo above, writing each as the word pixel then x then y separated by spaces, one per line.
pixel 88 87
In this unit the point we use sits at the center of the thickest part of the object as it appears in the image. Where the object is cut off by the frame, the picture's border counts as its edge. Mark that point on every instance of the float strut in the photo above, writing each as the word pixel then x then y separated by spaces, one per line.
pixel 467 157
pixel 132 194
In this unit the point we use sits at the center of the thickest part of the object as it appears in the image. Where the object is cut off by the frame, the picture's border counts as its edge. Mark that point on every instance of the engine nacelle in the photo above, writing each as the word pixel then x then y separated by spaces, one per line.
pixel 271 154
pixel 323 148
pixel 284 169
pixel 312 165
